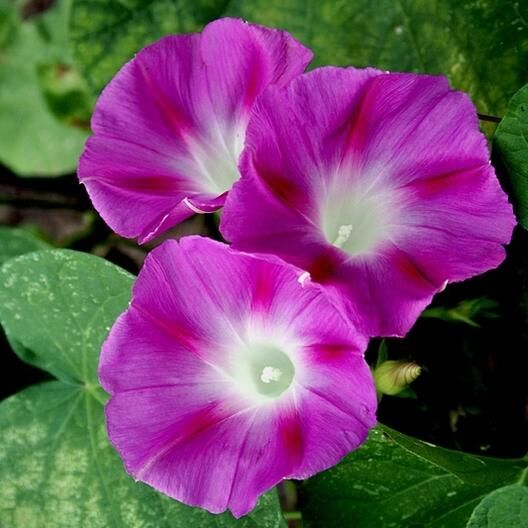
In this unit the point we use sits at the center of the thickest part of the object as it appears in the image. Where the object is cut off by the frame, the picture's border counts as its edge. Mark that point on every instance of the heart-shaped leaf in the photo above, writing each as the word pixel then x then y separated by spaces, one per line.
pixel 395 480
pixel 57 467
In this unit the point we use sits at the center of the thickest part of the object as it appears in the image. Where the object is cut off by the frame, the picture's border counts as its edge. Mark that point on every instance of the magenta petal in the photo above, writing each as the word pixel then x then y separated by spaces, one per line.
pixel 377 184
pixel 242 59
pixel 229 373
pixel 169 128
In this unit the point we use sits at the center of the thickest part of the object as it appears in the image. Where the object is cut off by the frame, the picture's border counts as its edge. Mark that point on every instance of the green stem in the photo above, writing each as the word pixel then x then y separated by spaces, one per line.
pixel 523 479
pixel 292 516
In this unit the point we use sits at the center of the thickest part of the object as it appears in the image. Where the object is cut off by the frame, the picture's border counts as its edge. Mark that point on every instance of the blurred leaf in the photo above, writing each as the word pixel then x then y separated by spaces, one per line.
pixel 407 394
pixel 504 508
pixel 43 108
pixel 511 145
pixel 465 312
pixel 65 93
pixel 8 24
pixel 396 481
pixel 57 468
pixel 481 46
pixel 14 242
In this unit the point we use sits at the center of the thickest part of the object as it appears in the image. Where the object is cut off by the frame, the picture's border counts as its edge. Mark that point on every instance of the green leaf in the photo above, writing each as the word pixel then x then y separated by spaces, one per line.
pixel 465 312
pixel 396 481
pixel 510 145
pixel 57 307
pixel 504 508
pixel 8 24
pixel 107 33
pixel 15 242
pixel 58 470
pixel 56 465
pixel 43 102
pixel 467 41
pixel 481 46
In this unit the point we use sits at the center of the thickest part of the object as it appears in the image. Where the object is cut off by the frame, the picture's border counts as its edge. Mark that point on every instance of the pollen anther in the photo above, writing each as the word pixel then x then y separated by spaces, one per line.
pixel 270 374
pixel 343 234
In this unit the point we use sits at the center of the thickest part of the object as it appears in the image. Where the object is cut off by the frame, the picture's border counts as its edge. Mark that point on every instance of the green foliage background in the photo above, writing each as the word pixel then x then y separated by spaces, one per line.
pixel 56 465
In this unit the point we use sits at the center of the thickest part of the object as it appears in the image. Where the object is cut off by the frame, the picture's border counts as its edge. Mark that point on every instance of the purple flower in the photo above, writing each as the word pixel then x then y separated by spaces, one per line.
pixel 227 375
pixel 169 128
pixel 378 185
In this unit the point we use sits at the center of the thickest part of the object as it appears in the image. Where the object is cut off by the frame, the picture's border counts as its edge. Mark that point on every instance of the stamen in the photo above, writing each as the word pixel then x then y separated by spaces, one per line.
pixel 270 374
pixel 343 234
pixel 303 277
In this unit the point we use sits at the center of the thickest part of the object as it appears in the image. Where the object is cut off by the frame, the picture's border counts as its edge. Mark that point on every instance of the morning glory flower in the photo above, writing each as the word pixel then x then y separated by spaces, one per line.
pixel 169 128
pixel 377 184
pixel 227 375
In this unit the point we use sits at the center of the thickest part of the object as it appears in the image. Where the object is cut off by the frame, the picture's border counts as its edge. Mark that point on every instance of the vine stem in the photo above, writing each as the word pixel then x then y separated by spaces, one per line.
pixel 292 516
pixel 490 118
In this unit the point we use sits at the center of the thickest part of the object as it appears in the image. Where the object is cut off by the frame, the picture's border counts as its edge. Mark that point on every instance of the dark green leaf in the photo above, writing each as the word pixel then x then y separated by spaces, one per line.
pixel 57 468
pixel 107 33
pixel 511 146
pixel 465 312
pixel 397 481
pixel 481 46
pixel 504 508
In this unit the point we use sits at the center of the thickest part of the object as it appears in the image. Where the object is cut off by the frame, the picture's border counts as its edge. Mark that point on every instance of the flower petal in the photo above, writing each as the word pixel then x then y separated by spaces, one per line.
pixel 242 59
pixel 411 127
pixel 291 154
pixel 470 237
pixel 182 415
pixel 377 184
pixel 170 126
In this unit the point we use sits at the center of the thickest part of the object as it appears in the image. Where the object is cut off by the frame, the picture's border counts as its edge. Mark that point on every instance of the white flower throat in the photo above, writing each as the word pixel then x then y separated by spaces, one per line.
pixel 263 370
pixel 212 160
pixel 357 220
pixel 271 370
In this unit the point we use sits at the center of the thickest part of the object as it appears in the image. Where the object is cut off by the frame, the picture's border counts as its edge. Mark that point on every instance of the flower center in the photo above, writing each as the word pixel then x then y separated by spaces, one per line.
pixel 270 374
pixel 271 370
pixel 357 220
pixel 264 370
pixel 343 234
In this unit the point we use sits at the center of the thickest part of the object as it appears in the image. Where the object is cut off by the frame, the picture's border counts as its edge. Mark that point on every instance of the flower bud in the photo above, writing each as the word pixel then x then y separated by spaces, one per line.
pixel 392 377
